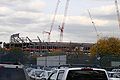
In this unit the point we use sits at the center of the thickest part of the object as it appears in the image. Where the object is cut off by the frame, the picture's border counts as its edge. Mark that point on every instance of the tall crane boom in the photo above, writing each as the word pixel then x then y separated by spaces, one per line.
pixel 93 24
pixel 53 20
pixel 64 19
pixel 117 11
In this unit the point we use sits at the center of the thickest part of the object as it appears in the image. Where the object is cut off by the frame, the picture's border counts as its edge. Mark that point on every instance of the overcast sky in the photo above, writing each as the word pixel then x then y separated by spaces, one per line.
pixel 32 17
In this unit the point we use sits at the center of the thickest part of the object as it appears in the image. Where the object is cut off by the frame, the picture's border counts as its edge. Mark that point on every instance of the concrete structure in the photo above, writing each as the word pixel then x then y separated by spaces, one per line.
pixel 115 63
pixel 51 60
pixel 27 44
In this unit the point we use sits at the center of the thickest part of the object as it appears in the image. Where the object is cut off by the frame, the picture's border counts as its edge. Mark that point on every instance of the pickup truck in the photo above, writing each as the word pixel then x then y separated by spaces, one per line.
pixel 78 74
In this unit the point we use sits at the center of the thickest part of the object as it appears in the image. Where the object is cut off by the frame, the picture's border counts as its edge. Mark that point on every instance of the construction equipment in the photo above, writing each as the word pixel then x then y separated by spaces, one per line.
pixel 29 39
pixel 48 35
pixel 61 28
pixel 93 24
pixel 39 39
pixel 16 39
pixel 53 20
pixel 117 11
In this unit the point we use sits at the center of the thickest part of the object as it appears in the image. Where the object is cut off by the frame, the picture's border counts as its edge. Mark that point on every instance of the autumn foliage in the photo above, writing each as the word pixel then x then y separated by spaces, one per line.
pixel 106 46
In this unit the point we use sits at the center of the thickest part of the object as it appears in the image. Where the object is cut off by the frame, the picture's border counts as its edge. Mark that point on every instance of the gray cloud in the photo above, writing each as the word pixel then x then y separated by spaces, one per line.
pixel 23 5
pixel 26 17
pixel 22 21
pixel 106 17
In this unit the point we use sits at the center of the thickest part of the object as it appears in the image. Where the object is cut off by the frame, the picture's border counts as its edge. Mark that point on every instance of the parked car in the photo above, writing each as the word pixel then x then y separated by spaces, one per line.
pixel 115 70
pixel 35 73
pixel 114 78
pixel 78 74
pixel 12 72
pixel 45 74
pixel 28 69
pixel 114 75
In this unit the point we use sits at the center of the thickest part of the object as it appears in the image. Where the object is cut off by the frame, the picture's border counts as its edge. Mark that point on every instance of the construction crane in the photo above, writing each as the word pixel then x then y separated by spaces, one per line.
pixel 53 20
pixel 61 28
pixel 93 24
pixel 117 11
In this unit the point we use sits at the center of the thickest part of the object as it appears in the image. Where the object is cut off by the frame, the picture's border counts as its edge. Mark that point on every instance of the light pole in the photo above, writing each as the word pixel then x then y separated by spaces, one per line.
pixel 97 54
pixel 59 59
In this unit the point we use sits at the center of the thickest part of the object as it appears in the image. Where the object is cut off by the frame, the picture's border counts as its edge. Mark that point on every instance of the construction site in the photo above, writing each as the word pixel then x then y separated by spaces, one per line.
pixel 41 48
pixel 26 44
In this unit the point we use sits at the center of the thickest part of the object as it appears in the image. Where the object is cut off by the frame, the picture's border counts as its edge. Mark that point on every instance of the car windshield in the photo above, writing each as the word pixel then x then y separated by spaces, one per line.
pixel 37 73
pixel 12 74
pixel 86 75
pixel 49 73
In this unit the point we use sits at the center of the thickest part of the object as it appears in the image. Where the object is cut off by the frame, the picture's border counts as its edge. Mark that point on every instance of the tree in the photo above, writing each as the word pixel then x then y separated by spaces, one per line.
pixel 2 50
pixel 15 55
pixel 106 46
pixel 105 50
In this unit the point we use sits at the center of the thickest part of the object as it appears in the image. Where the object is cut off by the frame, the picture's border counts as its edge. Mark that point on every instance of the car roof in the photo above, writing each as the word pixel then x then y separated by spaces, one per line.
pixel 116 70
pixel 78 65
pixel 86 68
pixel 11 66
pixel 112 72
pixel 81 68
pixel 34 70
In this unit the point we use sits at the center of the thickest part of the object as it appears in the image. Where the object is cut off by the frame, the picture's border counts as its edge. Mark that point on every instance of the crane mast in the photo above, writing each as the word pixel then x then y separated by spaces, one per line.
pixel 61 28
pixel 117 11
pixel 53 20
pixel 93 24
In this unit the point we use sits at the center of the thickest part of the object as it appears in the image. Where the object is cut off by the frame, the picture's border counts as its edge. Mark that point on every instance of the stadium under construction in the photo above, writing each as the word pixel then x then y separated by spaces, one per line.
pixel 26 44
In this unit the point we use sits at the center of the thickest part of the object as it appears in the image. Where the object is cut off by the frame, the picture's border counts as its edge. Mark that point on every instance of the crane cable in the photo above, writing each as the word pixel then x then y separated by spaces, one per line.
pixel 93 24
